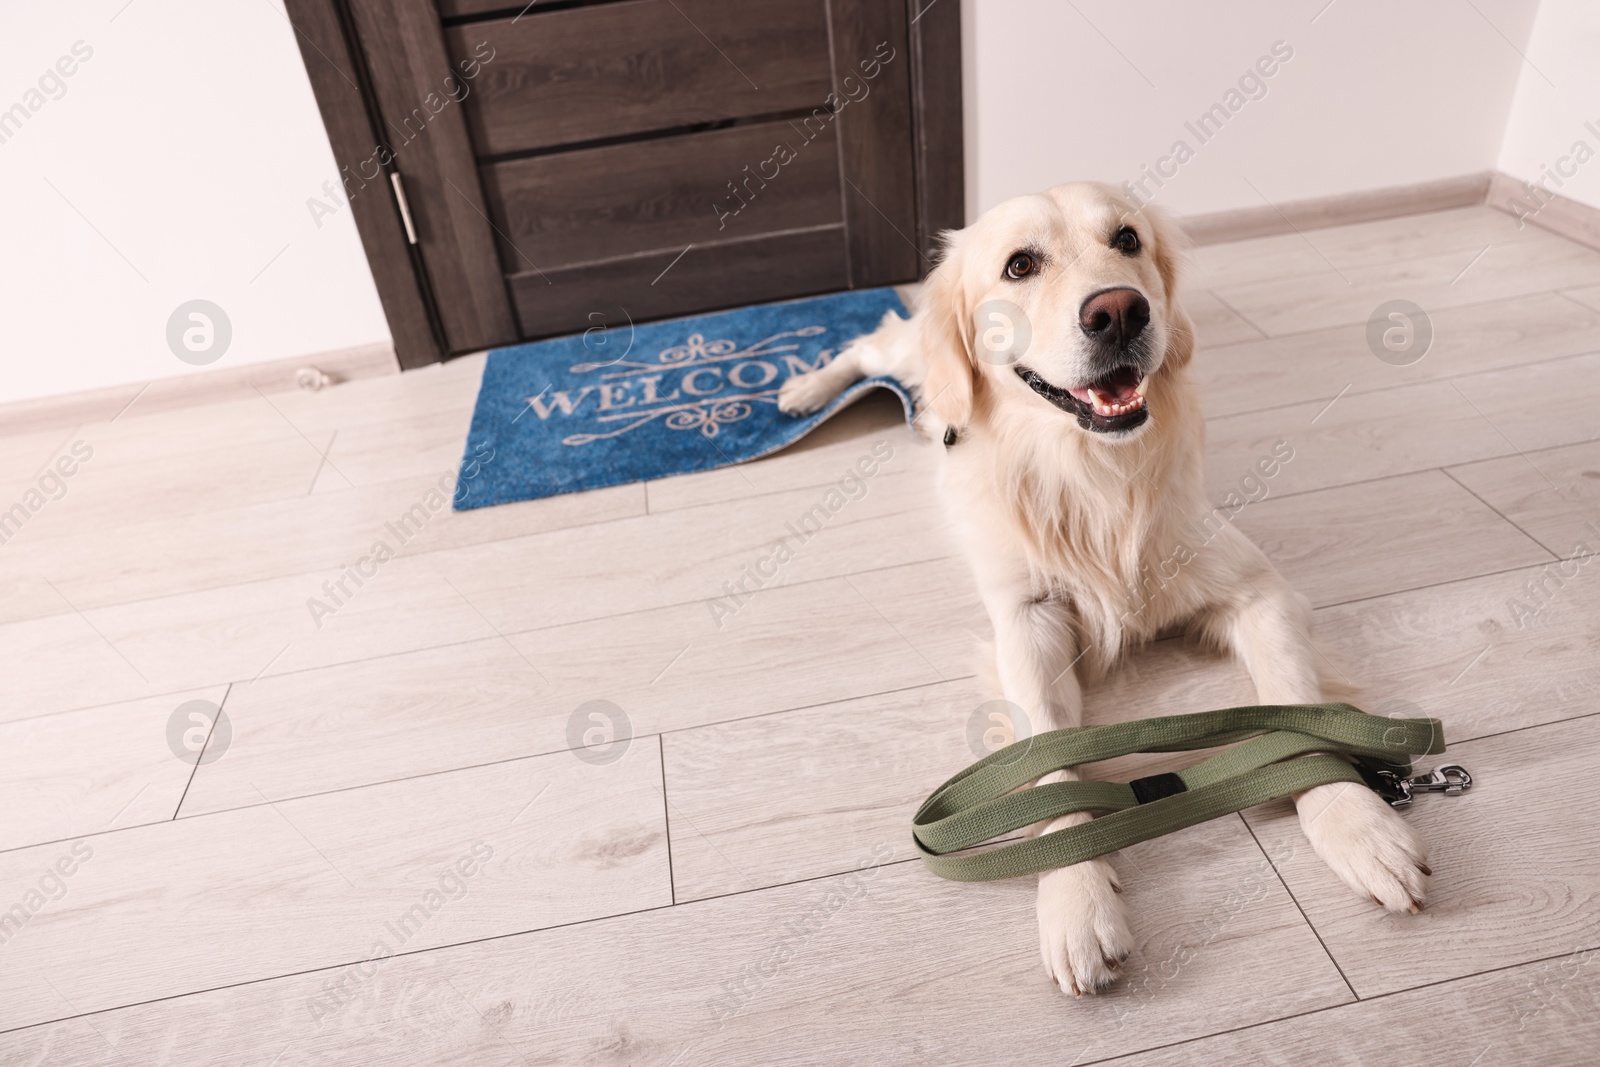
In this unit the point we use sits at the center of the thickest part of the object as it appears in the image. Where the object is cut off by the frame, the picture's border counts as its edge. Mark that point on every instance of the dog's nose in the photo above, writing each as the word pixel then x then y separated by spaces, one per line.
pixel 1115 316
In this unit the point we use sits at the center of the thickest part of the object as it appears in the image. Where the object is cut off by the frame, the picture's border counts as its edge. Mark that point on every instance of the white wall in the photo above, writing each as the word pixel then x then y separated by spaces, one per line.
pixel 1553 136
pixel 190 140
pixel 1378 93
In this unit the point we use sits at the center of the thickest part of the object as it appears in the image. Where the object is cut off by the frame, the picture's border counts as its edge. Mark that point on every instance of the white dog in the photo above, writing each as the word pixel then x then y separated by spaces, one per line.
pixel 1052 358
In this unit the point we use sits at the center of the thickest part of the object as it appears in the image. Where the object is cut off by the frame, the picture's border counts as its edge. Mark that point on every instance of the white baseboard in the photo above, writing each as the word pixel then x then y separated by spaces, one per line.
pixel 202 387
pixel 1341 210
pixel 1548 211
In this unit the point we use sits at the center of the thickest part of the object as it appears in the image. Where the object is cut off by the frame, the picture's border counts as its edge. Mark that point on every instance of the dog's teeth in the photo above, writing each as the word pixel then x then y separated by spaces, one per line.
pixel 1108 407
pixel 1143 384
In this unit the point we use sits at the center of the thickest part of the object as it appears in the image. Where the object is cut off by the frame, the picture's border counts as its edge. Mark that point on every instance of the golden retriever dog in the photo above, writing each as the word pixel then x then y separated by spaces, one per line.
pixel 1052 358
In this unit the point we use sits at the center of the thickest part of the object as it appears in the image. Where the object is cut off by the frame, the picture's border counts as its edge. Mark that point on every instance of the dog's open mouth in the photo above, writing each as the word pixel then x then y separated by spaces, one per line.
pixel 1108 404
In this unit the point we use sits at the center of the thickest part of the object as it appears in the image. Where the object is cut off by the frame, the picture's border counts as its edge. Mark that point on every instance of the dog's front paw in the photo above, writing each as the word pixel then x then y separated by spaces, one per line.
pixel 1083 926
pixel 804 394
pixel 1367 844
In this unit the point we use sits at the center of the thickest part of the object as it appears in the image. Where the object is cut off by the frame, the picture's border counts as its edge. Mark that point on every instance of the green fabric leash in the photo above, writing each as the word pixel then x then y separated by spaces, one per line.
pixel 983 802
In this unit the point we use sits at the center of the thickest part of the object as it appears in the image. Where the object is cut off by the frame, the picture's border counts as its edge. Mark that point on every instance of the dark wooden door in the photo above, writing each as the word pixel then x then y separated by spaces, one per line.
pixel 528 171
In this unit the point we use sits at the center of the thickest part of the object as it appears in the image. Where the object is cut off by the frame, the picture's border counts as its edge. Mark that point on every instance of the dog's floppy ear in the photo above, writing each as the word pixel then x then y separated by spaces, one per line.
pixel 1171 248
pixel 946 340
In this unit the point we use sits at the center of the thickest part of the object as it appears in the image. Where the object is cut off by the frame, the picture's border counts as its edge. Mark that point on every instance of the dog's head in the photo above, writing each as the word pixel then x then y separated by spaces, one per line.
pixel 1064 298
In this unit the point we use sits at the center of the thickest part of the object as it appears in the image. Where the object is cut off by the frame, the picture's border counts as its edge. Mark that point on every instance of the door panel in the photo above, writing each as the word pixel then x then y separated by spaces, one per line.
pixel 678 282
pixel 590 73
pixel 642 196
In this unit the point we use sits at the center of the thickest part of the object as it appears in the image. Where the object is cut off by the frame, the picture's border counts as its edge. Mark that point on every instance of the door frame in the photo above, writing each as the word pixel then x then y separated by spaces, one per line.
pixel 342 83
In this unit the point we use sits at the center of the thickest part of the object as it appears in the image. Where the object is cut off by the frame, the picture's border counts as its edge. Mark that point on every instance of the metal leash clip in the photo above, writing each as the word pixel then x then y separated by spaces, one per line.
pixel 1451 779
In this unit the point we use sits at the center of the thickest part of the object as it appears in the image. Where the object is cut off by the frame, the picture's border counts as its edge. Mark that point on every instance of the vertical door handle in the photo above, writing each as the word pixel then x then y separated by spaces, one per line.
pixel 405 208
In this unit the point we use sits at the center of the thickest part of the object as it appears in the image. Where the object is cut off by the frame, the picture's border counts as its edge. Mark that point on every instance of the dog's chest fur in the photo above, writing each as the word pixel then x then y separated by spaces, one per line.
pixel 1103 527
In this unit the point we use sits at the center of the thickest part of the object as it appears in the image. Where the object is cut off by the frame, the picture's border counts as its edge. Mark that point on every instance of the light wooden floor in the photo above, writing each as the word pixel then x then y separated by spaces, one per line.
pixel 734 885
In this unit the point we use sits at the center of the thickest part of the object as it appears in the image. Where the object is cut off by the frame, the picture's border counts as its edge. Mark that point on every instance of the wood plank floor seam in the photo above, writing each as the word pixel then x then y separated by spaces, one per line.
pixel 1380 390
pixel 1219 298
pixel 222 706
pixel 423 554
pixel 1532 567
pixel 1331 1007
pixel 1554 555
pixel 1304 917
pixel 506 936
pixel 507 633
pixel 666 813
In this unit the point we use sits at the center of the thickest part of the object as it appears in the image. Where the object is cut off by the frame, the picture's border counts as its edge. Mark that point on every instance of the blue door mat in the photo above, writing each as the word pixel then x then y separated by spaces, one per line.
pixel 617 405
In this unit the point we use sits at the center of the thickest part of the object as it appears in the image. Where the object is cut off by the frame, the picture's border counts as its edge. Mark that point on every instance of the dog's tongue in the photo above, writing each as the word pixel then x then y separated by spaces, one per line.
pixel 1118 387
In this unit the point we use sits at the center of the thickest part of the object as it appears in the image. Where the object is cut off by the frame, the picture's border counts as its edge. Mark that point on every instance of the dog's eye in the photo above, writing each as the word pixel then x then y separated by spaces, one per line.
pixel 1126 241
pixel 1020 265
